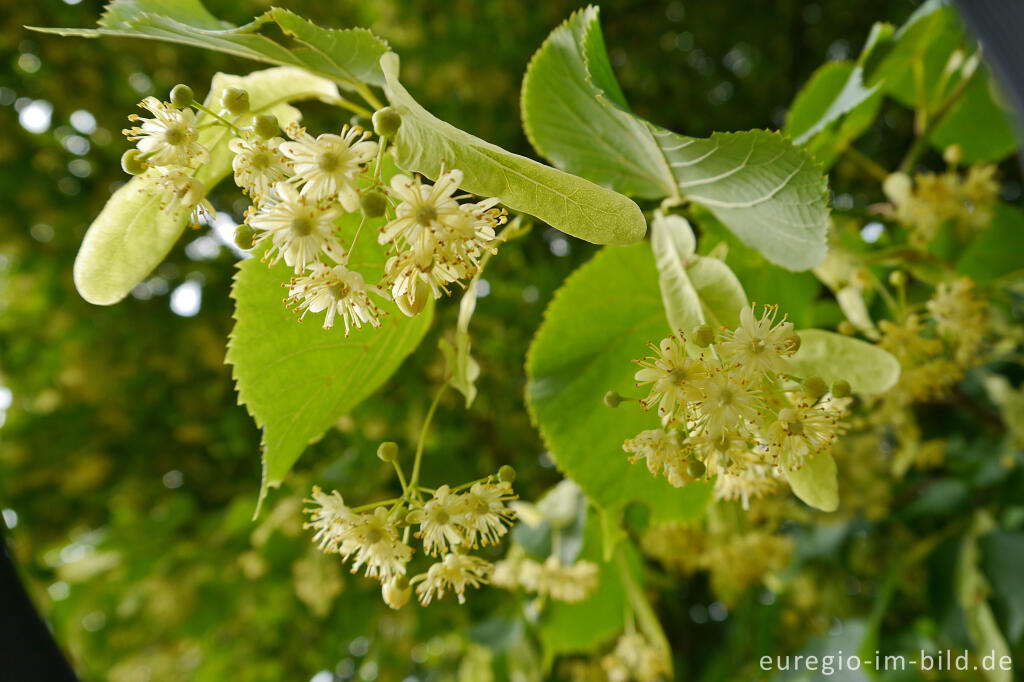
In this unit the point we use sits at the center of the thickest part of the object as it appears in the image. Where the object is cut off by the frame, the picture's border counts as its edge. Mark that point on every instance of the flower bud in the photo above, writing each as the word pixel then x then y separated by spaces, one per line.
pixel 506 474
pixel 132 164
pixel 846 328
pixel 897 187
pixel 373 204
pixel 235 100
pixel 245 237
pixel 695 468
pixel 815 387
pixel 612 399
pixel 898 278
pixel 266 126
pixel 396 592
pixel 412 308
pixel 387 451
pixel 953 154
pixel 841 388
pixel 182 96
pixel 704 336
pixel 386 122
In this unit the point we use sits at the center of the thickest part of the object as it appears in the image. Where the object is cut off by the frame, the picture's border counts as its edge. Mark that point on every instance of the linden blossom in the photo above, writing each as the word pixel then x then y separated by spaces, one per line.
pixel 731 414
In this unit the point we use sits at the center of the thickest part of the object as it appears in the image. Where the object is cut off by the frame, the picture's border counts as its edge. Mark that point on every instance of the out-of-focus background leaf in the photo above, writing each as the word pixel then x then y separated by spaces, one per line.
pixel 128 475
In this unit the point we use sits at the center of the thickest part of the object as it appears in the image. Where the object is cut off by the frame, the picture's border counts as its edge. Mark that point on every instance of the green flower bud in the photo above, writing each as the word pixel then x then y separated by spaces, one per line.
pixel 266 126
pixel 419 301
pixel 245 237
pixel 841 388
pixel 815 387
pixel 704 336
pixel 506 474
pixel 898 278
pixel 132 163
pixel 612 399
pixel 373 204
pixel 953 154
pixel 386 122
pixel 388 451
pixel 235 100
pixel 182 96
pixel 846 327
pixel 695 468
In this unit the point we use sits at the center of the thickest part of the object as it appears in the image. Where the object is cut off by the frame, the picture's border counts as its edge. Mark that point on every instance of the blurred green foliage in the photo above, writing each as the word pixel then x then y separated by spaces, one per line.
pixel 128 475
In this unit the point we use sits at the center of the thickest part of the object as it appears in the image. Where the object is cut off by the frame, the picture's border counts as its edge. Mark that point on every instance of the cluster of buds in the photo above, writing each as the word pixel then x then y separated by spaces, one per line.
pixel 452 522
pixel 731 409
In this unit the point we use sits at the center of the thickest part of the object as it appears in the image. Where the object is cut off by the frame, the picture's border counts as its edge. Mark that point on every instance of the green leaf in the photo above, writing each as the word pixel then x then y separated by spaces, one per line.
pixel 575 206
pixel 869 369
pixel 995 252
pixel 1002 556
pixel 978 123
pixel 132 235
pixel 816 482
pixel 583 627
pixel 349 57
pixel 694 289
pixel 834 92
pixel 296 379
pixel 770 193
pixel 794 292
pixel 599 321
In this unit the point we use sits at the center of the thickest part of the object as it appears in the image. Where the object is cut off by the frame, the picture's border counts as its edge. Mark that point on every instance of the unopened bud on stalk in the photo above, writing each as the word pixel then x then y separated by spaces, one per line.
pixel 373 204
pixel 815 387
pixel 182 96
pixel 506 474
pixel 704 336
pixel 386 122
pixel 266 126
pixel 387 451
pixel 245 237
pixel 132 163
pixel 612 399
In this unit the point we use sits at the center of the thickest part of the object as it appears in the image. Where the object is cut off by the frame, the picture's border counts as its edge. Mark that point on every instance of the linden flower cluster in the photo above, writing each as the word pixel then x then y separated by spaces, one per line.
pixel 169 143
pixel 926 201
pixel 730 409
pixel 635 659
pixel 376 537
pixel 549 580
pixel 301 186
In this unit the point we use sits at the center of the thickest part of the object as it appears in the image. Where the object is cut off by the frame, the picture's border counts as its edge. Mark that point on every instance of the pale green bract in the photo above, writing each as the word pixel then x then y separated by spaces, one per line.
pixel 426 144
pixel 296 379
pixel 816 482
pixel 771 194
pixel 599 321
pixel 870 370
pixel 132 234
pixel 349 57
pixel 695 289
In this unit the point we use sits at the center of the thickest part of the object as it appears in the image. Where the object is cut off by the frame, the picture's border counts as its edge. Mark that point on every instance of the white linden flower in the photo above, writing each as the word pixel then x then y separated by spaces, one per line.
pixel 485 516
pixel 663 453
pixel 419 264
pixel 182 191
pixel 337 290
pixel 562 583
pixel 802 431
pixel 674 376
pixel 423 207
pixel 331 518
pixel 328 165
pixel 728 404
pixel 258 165
pixel 298 228
pixel 170 138
pixel 756 481
pixel 757 346
pixel 374 540
pixel 440 521
pixel 455 572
